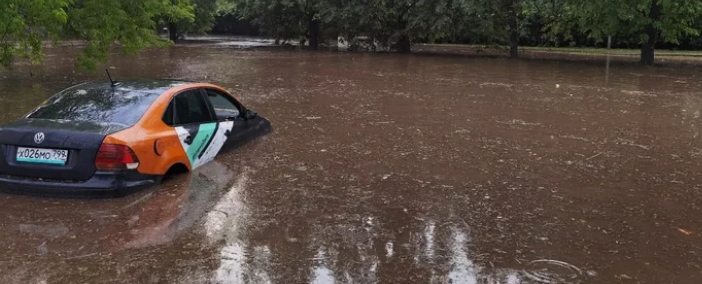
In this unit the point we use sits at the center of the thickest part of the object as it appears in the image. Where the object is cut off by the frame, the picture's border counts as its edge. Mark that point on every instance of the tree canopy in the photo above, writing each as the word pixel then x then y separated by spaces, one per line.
pixel 399 23
pixel 643 21
pixel 26 24
pixel 389 24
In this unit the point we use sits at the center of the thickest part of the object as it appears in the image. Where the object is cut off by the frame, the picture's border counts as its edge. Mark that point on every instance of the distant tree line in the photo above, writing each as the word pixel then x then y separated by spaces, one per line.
pixel 392 24
pixel 397 24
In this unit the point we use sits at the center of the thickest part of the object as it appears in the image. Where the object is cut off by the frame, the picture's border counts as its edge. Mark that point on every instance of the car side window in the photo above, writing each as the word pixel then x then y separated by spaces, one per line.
pixel 224 106
pixel 168 114
pixel 191 107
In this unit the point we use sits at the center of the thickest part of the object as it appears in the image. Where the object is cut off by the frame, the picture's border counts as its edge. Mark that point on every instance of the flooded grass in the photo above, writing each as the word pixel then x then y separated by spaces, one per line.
pixel 663 57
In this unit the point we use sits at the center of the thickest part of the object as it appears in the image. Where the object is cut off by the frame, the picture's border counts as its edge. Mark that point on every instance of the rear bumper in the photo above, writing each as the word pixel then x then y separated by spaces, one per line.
pixel 102 184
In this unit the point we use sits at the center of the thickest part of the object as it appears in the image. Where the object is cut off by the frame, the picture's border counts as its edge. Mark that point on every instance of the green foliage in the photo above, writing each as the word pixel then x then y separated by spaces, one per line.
pixel 171 10
pixel 644 22
pixel 225 7
pixel 131 24
pixel 679 19
pixel 282 20
pixel 487 22
pixel 204 12
pixel 628 18
pixel 388 21
pixel 24 24
pixel 551 17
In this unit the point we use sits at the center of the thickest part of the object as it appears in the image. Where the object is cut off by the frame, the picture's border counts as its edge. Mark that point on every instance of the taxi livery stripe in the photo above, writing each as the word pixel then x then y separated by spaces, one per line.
pixel 199 143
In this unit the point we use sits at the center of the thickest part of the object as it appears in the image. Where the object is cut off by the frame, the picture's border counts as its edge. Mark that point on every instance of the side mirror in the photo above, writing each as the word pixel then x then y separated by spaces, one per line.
pixel 250 114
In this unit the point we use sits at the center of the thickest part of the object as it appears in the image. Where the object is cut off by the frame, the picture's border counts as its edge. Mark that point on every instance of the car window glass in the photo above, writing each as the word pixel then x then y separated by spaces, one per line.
pixel 113 105
pixel 168 114
pixel 224 108
pixel 191 107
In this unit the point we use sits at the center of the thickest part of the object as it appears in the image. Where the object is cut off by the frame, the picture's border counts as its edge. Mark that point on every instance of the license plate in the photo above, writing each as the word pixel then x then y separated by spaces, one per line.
pixel 42 156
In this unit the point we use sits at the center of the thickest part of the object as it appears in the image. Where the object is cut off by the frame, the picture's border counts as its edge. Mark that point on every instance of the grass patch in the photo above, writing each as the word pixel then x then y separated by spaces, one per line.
pixel 578 50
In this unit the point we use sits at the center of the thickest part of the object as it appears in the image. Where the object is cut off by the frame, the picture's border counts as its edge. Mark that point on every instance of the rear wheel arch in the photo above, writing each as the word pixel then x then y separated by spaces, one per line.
pixel 176 169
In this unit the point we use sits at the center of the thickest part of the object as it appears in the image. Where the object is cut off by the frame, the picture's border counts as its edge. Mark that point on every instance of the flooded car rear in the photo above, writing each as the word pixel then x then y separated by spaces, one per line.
pixel 59 145
pixel 114 138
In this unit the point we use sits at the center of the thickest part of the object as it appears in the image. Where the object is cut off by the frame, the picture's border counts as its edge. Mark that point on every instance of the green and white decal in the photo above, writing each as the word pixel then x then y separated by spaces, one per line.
pixel 202 142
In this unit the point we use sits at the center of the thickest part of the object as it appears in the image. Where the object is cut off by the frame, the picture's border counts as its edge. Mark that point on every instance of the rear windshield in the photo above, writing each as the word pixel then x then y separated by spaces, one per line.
pixel 111 105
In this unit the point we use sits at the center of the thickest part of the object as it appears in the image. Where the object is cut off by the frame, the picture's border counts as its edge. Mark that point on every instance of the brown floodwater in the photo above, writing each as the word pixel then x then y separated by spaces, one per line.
pixel 390 169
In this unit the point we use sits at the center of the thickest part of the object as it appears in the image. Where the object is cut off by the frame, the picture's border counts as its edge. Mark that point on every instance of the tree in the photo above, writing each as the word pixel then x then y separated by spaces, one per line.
pixel 226 7
pixel 392 23
pixel 204 12
pixel 546 22
pixel 26 24
pixel 513 10
pixel 647 21
pixel 397 23
pixel 285 20
pixel 176 13
pixel 130 23
pixel 498 22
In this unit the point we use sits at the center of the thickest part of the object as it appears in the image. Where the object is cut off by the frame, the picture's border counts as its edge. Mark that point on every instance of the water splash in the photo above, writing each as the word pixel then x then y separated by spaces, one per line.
pixel 549 271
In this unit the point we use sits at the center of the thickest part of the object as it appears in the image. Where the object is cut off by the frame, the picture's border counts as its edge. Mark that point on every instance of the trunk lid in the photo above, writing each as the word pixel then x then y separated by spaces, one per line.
pixel 81 140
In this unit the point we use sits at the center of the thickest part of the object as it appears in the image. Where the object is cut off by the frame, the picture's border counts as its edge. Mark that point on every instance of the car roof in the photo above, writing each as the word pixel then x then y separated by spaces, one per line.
pixel 124 103
pixel 139 86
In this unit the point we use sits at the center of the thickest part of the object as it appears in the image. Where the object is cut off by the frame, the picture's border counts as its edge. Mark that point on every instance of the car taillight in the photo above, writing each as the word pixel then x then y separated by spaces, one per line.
pixel 113 157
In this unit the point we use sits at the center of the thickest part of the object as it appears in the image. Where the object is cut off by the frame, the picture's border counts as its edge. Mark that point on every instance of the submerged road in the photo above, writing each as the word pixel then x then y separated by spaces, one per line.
pixel 390 169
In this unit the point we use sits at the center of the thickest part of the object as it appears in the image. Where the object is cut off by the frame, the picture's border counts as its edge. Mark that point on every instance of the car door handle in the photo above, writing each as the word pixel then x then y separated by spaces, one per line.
pixel 188 140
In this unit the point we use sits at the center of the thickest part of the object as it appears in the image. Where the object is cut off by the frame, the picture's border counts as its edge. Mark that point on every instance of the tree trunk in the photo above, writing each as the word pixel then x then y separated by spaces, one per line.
pixel 314 34
pixel 648 47
pixel 172 32
pixel 404 45
pixel 513 30
pixel 647 53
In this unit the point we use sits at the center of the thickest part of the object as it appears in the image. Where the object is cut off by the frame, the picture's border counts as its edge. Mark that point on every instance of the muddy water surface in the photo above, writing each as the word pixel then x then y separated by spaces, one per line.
pixel 391 169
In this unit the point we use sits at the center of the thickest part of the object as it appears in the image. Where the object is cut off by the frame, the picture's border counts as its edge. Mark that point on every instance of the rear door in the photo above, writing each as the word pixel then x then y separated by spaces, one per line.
pixel 200 135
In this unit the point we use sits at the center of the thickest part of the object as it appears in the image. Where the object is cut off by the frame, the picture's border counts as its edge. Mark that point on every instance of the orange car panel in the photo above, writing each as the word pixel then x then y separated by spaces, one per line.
pixel 155 143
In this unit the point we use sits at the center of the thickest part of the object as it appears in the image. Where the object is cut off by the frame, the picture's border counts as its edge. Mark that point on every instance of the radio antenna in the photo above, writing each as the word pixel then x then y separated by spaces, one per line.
pixel 113 83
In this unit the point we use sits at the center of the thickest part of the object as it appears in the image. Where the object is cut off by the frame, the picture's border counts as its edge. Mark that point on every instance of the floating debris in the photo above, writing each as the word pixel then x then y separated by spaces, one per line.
pixel 686 232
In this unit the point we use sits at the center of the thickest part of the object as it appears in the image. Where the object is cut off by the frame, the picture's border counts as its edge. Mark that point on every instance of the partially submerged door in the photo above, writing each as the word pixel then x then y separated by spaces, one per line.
pixel 200 134
pixel 231 113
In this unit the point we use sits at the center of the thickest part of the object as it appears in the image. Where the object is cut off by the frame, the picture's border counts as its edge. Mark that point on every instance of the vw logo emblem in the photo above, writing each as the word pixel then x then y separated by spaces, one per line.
pixel 39 137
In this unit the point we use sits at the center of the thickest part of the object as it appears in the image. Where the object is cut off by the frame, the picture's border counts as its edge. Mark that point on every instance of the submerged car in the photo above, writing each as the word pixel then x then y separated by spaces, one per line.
pixel 107 137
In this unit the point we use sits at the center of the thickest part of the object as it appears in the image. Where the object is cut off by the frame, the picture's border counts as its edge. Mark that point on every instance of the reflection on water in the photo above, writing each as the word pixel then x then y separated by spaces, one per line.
pixel 444 251
pixel 226 218
pixel 321 274
pixel 225 222
pixel 214 196
pixel 232 263
pixel 75 230
pixel 462 268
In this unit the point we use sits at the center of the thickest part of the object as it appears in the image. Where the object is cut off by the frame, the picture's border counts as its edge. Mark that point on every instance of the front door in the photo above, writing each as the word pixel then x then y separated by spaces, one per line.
pixel 200 134
pixel 229 112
